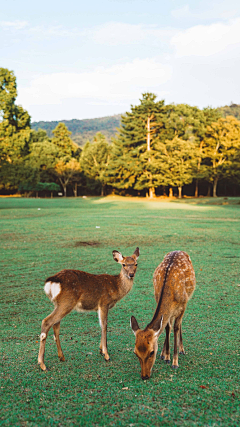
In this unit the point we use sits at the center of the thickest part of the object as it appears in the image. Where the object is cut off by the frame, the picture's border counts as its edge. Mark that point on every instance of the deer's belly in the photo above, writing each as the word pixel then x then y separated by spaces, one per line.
pixel 82 307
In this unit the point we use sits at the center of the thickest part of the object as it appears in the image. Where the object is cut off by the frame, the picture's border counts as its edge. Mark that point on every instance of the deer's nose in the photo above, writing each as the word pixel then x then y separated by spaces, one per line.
pixel 131 274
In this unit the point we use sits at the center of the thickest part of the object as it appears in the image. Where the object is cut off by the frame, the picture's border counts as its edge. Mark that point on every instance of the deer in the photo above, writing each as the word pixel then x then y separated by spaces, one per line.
pixel 174 283
pixel 81 291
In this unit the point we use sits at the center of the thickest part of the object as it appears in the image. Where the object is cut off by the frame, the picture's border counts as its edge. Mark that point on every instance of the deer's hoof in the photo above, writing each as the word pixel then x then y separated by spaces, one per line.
pixel 62 358
pixel 175 366
pixel 162 357
pixel 182 352
pixel 43 366
pixel 167 361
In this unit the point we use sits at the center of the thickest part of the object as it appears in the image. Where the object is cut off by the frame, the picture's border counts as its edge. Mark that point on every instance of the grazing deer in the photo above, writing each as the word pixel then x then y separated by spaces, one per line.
pixel 75 289
pixel 174 283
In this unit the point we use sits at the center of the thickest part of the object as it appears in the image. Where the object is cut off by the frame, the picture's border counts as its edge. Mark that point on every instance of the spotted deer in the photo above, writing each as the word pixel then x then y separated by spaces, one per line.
pixel 174 283
pixel 77 290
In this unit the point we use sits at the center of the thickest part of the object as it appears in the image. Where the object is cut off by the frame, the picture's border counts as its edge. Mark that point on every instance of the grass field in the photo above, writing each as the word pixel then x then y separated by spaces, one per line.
pixel 42 236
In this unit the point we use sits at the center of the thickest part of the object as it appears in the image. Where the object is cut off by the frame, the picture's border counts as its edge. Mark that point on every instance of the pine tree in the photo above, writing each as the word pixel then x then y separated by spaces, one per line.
pixel 132 163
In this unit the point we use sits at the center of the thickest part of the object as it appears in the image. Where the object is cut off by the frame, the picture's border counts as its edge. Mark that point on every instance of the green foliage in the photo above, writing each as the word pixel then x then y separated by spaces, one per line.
pixel 40 237
pixel 221 148
pixel 95 159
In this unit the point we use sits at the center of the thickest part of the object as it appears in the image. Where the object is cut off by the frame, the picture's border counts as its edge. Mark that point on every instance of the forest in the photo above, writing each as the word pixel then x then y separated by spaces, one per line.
pixel 158 149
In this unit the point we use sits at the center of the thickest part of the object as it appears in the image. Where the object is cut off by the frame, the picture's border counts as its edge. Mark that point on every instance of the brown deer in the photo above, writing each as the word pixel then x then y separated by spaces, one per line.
pixel 75 289
pixel 174 283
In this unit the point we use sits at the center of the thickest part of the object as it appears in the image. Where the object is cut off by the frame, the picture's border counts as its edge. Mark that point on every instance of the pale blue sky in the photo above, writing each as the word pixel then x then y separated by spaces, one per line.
pixel 85 59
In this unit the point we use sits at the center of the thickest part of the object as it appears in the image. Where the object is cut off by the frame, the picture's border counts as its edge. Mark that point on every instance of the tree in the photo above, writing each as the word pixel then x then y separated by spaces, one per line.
pixel 95 159
pixel 15 132
pixel 220 149
pixel 66 147
pixel 66 172
pixel 177 159
pixel 133 150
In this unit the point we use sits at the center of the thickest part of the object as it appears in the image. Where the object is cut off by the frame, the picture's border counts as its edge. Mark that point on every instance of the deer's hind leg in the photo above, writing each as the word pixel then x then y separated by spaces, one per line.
pixel 181 349
pixel 54 318
pixel 56 329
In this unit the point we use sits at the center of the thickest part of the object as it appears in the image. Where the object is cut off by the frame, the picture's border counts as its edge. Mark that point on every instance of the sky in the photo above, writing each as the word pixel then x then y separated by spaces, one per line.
pixel 84 59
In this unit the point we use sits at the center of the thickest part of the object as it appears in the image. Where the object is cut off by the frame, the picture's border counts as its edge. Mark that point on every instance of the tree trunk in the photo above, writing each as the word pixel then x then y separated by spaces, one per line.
pixel 75 189
pixel 65 190
pixel 179 192
pixel 196 188
pixel 209 190
pixel 151 192
pixel 102 190
pixel 170 192
pixel 215 186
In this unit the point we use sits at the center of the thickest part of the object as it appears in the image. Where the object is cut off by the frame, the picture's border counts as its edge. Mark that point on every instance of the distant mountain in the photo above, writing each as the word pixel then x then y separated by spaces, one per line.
pixel 230 110
pixel 83 130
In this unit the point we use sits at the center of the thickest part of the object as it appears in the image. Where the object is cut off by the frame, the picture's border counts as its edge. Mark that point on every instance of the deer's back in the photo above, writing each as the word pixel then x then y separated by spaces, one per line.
pixel 176 275
pixel 86 290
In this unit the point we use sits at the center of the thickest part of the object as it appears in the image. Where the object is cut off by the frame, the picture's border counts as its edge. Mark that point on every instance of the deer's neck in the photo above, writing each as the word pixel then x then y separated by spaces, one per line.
pixel 125 284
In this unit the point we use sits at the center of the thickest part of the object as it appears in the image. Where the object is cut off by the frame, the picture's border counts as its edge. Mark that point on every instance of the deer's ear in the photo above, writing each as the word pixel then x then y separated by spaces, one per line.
pixel 117 256
pixel 157 326
pixel 134 325
pixel 136 253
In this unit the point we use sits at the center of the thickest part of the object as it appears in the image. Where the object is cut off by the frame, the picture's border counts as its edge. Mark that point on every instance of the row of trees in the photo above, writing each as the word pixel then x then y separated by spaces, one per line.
pixel 157 146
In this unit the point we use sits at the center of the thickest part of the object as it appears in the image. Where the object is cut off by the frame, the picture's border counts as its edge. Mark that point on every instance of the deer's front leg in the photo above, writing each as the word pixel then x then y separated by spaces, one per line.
pixel 102 314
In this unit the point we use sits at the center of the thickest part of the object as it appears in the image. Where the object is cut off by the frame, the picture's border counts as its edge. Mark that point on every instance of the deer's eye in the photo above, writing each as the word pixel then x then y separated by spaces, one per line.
pixel 124 265
pixel 135 265
pixel 152 353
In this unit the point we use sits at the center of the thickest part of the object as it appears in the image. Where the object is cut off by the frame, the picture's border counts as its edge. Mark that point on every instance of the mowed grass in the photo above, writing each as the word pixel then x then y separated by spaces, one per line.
pixel 41 236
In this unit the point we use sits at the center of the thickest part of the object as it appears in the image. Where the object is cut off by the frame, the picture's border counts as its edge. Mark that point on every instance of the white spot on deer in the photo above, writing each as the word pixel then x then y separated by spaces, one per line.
pixel 42 336
pixel 52 290
pixel 55 339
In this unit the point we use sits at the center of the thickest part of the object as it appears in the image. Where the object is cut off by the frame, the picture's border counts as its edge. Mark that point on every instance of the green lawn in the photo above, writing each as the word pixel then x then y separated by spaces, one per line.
pixel 42 236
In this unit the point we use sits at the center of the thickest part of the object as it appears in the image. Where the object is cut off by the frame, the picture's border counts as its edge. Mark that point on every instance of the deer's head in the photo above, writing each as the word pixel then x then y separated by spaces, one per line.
pixel 146 345
pixel 129 263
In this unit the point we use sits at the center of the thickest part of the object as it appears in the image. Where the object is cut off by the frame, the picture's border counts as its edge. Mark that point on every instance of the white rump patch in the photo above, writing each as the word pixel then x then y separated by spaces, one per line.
pixel 52 290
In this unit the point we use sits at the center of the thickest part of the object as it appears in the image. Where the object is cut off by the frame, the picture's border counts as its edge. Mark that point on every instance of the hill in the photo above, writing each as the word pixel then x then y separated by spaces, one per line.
pixel 83 130
pixel 230 110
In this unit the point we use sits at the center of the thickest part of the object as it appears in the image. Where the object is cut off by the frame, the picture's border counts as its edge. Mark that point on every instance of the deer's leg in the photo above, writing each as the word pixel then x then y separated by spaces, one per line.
pixel 53 318
pixel 56 329
pixel 167 341
pixel 177 326
pixel 102 314
pixel 181 349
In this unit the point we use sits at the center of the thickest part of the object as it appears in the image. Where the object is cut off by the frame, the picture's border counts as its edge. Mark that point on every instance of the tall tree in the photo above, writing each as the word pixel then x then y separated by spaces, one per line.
pixel 15 132
pixel 133 149
pixel 220 149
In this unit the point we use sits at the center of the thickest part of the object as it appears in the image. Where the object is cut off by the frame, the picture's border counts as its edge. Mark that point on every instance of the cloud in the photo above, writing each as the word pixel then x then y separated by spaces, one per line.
pixel 13 25
pixel 207 40
pixel 112 84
